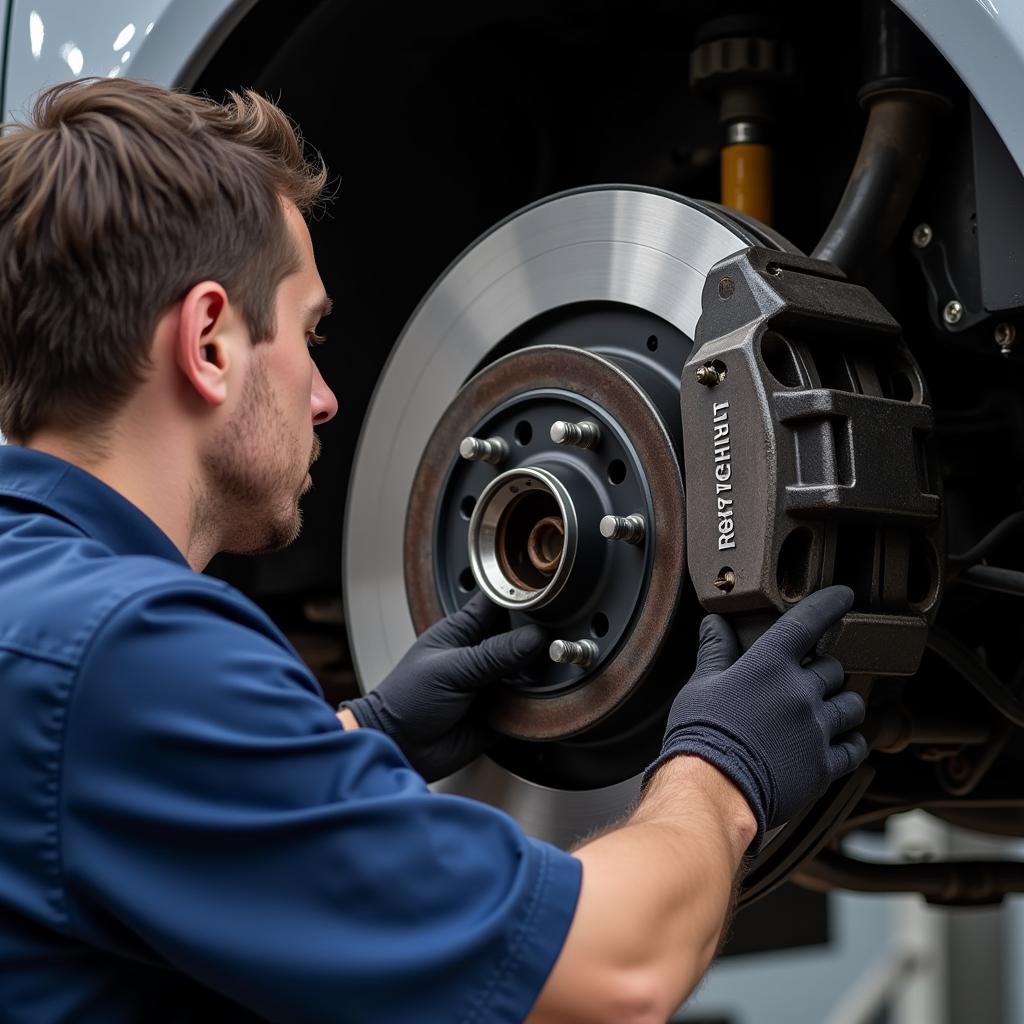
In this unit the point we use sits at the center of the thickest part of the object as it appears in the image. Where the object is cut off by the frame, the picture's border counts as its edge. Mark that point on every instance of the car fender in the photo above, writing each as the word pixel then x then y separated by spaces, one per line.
pixel 168 42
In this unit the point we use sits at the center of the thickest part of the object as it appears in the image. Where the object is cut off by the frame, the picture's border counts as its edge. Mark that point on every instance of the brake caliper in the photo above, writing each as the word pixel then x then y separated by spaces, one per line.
pixel 806 424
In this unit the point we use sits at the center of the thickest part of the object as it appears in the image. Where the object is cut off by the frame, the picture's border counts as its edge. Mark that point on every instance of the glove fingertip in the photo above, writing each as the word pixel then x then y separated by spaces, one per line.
pixel 528 641
pixel 717 648
pixel 863 707
pixel 824 606
pixel 481 611
pixel 845 756
pixel 710 626
pixel 841 602
pixel 859 749
pixel 479 602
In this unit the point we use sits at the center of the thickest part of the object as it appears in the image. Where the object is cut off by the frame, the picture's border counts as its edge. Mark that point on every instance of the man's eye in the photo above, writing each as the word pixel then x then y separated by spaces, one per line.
pixel 313 339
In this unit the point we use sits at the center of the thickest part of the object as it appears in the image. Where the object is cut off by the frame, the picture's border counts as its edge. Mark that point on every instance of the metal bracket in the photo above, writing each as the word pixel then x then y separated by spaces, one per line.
pixel 806 424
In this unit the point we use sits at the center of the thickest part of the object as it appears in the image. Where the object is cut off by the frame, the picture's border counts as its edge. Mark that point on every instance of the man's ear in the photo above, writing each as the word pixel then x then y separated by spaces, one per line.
pixel 201 344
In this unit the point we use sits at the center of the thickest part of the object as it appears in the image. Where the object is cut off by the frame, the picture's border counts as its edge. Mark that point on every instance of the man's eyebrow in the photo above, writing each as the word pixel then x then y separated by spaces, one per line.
pixel 321 308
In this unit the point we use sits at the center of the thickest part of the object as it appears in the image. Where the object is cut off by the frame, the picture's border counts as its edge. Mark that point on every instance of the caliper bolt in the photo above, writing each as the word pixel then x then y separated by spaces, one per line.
pixel 953 312
pixel 573 652
pixel 922 236
pixel 584 434
pixel 725 580
pixel 709 375
pixel 478 449
pixel 628 528
pixel 1005 335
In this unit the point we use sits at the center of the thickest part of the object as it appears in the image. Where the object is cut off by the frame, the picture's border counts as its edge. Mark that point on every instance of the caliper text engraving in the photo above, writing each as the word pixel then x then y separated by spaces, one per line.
pixel 723 476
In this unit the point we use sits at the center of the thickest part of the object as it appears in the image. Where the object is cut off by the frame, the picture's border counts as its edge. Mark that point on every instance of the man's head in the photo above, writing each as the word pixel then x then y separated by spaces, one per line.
pixel 153 244
pixel 255 458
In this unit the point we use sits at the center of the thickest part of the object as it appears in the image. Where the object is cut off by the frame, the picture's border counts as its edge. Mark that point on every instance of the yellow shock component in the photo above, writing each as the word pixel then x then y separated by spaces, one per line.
pixel 747 183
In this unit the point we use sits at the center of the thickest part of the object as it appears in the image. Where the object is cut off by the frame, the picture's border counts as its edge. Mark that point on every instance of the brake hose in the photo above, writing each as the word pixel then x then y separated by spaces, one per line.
pixel 903 111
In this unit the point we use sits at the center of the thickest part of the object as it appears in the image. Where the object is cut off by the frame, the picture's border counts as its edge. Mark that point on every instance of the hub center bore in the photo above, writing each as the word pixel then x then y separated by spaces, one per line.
pixel 528 545
pixel 522 538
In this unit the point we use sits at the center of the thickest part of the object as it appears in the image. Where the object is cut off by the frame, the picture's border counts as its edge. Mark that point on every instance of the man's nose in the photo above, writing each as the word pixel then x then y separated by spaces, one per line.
pixel 323 403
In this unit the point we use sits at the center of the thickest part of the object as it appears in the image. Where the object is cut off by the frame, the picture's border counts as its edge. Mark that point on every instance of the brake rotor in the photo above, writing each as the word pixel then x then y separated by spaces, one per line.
pixel 618 597
pixel 580 308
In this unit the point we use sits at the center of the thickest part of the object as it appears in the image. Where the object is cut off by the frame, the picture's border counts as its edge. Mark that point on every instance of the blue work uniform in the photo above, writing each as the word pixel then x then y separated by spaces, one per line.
pixel 186 833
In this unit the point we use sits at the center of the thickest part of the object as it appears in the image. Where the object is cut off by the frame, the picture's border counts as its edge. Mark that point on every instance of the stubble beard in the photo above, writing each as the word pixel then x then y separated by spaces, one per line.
pixel 251 494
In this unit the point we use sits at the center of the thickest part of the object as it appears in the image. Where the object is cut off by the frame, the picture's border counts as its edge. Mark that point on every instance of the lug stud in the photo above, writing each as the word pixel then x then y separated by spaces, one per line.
pixel 584 434
pixel 628 528
pixel 573 652
pixel 491 449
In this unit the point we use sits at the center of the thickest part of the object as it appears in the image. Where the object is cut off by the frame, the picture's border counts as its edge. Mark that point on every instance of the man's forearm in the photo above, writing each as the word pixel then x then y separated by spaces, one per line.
pixel 705 825
pixel 655 897
pixel 686 843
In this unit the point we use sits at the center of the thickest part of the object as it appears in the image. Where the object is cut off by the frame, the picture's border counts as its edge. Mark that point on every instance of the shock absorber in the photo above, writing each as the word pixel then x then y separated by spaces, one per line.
pixel 741 62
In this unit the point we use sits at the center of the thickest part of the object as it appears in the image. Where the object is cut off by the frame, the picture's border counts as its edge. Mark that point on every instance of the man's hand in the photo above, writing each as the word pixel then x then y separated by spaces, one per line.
pixel 774 730
pixel 779 730
pixel 425 704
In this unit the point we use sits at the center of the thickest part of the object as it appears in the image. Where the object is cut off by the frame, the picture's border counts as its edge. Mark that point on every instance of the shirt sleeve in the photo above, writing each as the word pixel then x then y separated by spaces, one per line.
pixel 216 818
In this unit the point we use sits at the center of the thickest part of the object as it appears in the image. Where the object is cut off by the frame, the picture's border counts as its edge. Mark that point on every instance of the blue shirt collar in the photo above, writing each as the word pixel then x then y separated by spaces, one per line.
pixel 82 500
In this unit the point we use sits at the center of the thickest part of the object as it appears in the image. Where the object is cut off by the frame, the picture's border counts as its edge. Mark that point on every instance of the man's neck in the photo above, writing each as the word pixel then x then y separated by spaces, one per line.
pixel 153 473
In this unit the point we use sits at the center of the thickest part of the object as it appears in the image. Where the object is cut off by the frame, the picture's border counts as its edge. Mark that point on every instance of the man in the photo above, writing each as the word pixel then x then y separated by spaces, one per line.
pixel 187 831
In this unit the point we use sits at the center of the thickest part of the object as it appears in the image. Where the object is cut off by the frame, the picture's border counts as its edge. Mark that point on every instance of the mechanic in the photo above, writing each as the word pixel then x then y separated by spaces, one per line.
pixel 187 830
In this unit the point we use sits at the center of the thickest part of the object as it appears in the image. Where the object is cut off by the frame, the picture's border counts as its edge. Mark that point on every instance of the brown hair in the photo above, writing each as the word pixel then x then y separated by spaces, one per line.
pixel 115 200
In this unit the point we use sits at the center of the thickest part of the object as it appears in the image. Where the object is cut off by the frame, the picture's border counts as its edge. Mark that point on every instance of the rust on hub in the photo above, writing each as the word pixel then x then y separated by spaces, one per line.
pixel 544 545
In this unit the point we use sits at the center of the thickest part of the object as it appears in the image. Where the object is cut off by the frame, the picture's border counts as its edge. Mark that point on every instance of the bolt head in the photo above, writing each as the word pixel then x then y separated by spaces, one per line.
pixel 922 236
pixel 725 580
pixel 707 375
pixel 953 312
pixel 558 432
pixel 1005 335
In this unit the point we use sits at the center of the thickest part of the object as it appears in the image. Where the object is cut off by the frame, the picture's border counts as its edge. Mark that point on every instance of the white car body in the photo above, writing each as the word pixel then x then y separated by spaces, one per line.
pixel 169 42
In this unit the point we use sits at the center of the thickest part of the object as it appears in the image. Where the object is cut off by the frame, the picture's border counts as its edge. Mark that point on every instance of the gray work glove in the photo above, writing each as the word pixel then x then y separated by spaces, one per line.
pixel 425 704
pixel 780 731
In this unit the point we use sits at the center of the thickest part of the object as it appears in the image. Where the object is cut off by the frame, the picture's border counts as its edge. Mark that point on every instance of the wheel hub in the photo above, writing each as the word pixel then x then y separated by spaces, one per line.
pixel 533 540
